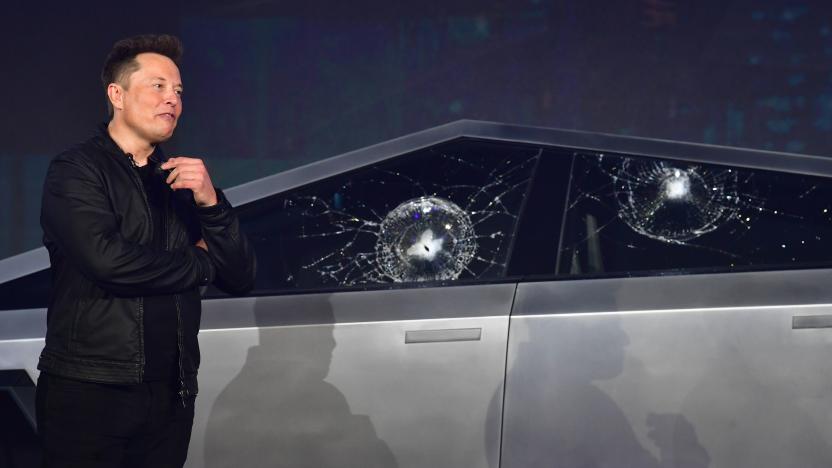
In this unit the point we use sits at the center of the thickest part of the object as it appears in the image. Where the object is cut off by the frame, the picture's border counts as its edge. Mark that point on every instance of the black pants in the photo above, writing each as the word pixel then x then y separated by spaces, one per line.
pixel 83 424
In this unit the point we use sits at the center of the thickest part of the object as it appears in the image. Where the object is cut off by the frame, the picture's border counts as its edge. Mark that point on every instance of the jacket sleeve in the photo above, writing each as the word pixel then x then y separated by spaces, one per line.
pixel 228 247
pixel 77 216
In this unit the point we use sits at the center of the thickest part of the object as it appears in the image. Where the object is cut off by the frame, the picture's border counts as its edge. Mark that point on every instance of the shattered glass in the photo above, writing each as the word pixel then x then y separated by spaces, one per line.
pixel 671 202
pixel 425 239
pixel 452 212
pixel 445 213
pixel 629 213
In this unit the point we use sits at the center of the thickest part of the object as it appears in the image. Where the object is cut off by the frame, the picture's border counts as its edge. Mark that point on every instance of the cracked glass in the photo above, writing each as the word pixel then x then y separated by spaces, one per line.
pixel 627 214
pixel 446 213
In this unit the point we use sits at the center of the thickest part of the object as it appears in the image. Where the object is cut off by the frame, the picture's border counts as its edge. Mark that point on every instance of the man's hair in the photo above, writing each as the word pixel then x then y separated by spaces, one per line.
pixel 121 61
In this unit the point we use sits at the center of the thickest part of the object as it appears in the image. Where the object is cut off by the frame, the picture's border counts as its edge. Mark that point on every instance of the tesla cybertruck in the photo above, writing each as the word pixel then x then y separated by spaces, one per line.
pixel 489 295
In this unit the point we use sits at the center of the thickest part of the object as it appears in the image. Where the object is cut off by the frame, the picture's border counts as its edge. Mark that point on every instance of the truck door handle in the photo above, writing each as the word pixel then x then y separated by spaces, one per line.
pixel 811 321
pixel 441 336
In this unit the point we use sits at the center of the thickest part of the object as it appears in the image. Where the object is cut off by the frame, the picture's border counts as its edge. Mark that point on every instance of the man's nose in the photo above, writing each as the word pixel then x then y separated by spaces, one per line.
pixel 172 98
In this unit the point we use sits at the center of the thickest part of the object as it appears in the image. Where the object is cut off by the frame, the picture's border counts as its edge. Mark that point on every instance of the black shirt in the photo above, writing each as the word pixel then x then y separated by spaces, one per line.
pixel 160 320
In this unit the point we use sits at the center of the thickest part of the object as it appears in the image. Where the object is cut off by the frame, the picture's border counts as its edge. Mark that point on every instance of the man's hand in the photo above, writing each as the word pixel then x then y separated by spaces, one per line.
pixel 202 245
pixel 190 173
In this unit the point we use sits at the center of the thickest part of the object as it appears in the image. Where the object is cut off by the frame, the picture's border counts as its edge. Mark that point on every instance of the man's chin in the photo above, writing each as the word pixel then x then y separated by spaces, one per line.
pixel 164 135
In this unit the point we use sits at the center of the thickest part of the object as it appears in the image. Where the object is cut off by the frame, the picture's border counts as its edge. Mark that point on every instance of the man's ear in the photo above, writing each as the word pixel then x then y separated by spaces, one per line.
pixel 116 95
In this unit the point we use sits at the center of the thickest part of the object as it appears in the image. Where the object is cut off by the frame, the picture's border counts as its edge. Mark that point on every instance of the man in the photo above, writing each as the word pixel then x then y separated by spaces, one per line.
pixel 131 236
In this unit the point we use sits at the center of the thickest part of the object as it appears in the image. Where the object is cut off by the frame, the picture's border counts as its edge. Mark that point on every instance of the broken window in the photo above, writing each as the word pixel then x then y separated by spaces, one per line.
pixel 440 214
pixel 628 214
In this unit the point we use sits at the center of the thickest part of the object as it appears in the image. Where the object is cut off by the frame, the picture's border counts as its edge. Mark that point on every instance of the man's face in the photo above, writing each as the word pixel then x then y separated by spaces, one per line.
pixel 152 100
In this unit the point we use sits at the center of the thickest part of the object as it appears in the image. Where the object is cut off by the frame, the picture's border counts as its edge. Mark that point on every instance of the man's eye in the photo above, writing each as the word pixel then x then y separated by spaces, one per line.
pixel 157 85
pixel 178 92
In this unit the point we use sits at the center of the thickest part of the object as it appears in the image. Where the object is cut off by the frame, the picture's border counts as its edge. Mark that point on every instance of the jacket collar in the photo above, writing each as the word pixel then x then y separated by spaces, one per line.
pixel 103 138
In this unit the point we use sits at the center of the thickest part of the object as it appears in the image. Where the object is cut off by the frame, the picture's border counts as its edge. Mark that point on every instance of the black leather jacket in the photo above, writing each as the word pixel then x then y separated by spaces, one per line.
pixel 97 228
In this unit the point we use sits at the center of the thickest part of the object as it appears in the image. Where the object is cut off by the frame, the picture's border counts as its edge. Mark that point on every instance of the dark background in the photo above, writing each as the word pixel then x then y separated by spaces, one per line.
pixel 273 85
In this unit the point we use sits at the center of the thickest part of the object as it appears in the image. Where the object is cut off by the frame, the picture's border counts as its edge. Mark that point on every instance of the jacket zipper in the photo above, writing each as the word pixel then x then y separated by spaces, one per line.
pixel 141 338
pixel 183 391
pixel 140 185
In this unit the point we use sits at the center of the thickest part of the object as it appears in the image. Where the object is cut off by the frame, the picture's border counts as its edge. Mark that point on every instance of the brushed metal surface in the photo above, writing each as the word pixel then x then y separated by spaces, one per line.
pixel 22 324
pixel 317 379
pixel 747 289
pixel 357 306
pixel 721 384
pixel 440 336
pixel 352 393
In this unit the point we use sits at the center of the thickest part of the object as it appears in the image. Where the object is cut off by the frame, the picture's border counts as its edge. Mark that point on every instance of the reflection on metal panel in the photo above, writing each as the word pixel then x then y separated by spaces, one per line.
pixel 23 324
pixel 339 392
pixel 725 290
pixel 360 306
pixel 706 387
pixel 559 412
